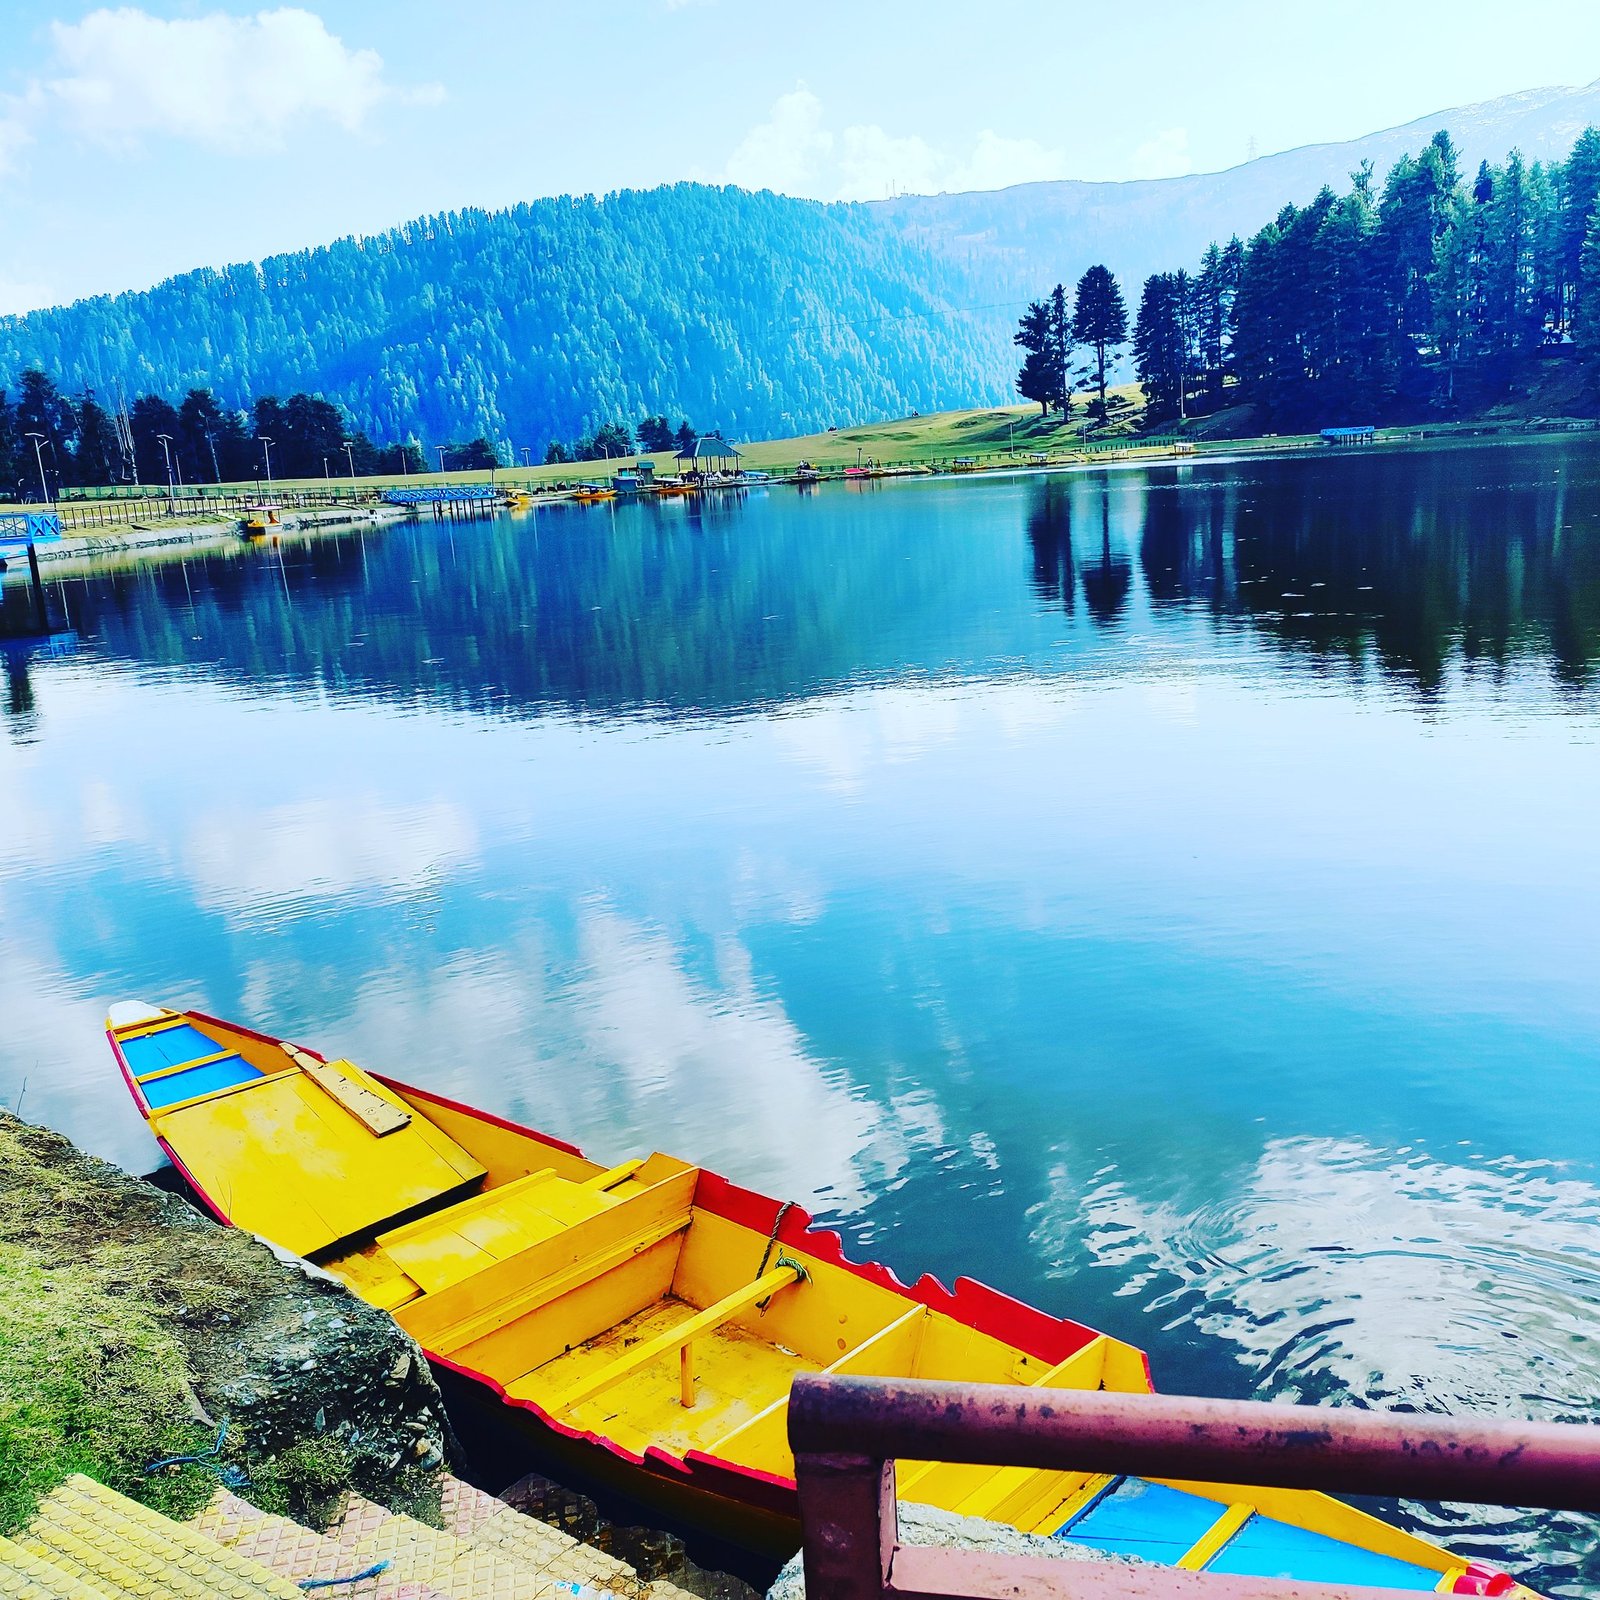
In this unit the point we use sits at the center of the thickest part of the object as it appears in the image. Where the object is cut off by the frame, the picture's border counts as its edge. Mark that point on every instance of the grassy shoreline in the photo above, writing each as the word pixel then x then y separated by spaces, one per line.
pixel 1002 438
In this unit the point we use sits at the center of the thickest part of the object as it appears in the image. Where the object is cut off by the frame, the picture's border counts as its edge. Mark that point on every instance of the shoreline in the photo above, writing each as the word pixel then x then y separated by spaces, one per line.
pixel 137 544
pixel 141 544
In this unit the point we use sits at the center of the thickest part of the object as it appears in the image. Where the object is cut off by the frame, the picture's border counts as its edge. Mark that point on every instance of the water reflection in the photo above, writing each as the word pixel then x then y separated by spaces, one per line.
pixel 1389 1278
pixel 1391 564
pixel 1102 883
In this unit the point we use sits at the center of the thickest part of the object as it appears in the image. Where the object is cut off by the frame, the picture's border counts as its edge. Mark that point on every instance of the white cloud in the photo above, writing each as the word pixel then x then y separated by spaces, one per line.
pixel 787 152
pixel 1164 155
pixel 796 151
pixel 872 163
pixel 996 163
pixel 14 136
pixel 234 83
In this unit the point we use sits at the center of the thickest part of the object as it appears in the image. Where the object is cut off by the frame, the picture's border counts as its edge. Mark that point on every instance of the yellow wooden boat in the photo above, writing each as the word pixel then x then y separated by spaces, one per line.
pixel 645 1320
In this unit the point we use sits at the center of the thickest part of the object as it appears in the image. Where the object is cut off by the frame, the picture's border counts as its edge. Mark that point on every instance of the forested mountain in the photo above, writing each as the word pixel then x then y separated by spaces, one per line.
pixel 753 313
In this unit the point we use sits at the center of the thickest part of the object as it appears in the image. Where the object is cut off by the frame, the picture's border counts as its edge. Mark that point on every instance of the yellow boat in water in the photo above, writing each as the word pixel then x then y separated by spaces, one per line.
pixel 645 1320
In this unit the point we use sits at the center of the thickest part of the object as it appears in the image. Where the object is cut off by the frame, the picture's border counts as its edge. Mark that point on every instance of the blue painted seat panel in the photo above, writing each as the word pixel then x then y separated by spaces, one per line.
pixel 1143 1519
pixel 1264 1548
pixel 168 1048
pixel 197 1081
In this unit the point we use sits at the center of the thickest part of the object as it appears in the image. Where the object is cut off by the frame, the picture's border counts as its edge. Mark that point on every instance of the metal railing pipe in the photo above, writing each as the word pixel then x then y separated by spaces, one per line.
pixel 1337 1449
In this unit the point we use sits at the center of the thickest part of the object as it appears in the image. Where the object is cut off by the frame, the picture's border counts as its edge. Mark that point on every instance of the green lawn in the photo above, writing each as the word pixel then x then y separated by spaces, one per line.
pixel 932 440
pixel 994 437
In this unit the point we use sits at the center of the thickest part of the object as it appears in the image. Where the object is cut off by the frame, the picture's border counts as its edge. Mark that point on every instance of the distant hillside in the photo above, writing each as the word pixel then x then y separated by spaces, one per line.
pixel 754 313
pixel 1038 233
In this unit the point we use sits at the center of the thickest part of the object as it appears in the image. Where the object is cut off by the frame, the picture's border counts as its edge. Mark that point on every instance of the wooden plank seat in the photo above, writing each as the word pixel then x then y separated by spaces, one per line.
pixel 680 1338
pixel 500 1295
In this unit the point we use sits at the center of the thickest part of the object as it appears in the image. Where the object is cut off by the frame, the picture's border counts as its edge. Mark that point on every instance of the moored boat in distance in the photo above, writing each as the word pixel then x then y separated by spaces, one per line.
pixel 262 518
pixel 589 492
pixel 645 1320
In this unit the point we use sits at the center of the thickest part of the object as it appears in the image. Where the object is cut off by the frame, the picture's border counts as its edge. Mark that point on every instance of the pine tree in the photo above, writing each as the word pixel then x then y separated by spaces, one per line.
pixel 98 453
pixel 655 434
pixel 10 445
pixel 42 410
pixel 200 429
pixel 1036 379
pixel 1060 347
pixel 151 417
pixel 1158 335
pixel 1100 320
pixel 1586 312
pixel 1579 193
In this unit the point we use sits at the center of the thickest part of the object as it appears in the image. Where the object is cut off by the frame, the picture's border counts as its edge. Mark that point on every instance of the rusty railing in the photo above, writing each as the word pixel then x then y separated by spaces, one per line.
pixel 847 1432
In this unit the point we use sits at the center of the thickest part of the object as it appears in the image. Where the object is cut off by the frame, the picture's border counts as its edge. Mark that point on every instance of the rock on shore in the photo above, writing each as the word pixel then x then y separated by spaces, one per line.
pixel 320 1391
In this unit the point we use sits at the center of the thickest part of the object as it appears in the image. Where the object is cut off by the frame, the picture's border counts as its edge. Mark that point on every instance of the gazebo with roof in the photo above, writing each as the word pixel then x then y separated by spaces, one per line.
pixel 710 454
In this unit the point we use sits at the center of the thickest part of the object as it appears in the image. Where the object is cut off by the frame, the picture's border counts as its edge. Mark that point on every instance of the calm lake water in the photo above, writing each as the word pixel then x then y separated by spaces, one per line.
pixel 1172 895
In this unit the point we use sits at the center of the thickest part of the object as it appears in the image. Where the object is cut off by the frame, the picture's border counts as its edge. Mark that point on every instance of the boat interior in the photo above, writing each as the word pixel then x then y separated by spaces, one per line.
pixel 622 1305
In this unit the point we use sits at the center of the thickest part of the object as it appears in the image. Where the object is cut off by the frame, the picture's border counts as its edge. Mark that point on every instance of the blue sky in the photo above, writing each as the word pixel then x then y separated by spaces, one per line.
pixel 141 140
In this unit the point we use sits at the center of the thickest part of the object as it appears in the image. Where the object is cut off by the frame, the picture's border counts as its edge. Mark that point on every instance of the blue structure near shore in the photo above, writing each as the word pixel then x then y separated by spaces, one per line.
pixel 441 494
pixel 20 531
pixel 1365 434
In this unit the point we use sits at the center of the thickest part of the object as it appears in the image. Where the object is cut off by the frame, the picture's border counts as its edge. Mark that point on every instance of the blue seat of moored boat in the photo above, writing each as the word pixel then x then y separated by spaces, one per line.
pixel 196 1081
pixel 1265 1548
pixel 158 1060
pixel 168 1047
pixel 1135 1518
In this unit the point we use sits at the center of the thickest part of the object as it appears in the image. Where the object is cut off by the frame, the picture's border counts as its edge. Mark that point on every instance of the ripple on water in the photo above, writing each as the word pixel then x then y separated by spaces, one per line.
pixel 1392 1279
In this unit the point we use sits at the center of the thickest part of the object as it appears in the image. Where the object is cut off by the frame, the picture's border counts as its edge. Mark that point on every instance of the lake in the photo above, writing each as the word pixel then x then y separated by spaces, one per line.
pixel 1170 894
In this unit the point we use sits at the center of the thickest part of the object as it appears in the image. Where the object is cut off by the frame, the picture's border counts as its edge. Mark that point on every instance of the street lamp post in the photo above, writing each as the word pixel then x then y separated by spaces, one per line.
pixel 166 450
pixel 38 454
pixel 350 456
pixel 526 453
pixel 440 449
pixel 266 450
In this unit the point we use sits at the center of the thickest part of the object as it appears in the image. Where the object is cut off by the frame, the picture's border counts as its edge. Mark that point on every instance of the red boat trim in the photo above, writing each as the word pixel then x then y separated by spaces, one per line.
pixel 128 1077
pixel 972 1303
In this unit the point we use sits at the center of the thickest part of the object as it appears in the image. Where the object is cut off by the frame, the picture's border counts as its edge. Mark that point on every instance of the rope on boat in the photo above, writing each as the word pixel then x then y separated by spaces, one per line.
pixel 766 1255
pixel 355 1577
pixel 232 1477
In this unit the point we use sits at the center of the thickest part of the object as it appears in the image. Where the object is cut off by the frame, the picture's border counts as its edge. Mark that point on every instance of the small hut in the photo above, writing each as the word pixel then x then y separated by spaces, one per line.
pixel 710 454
